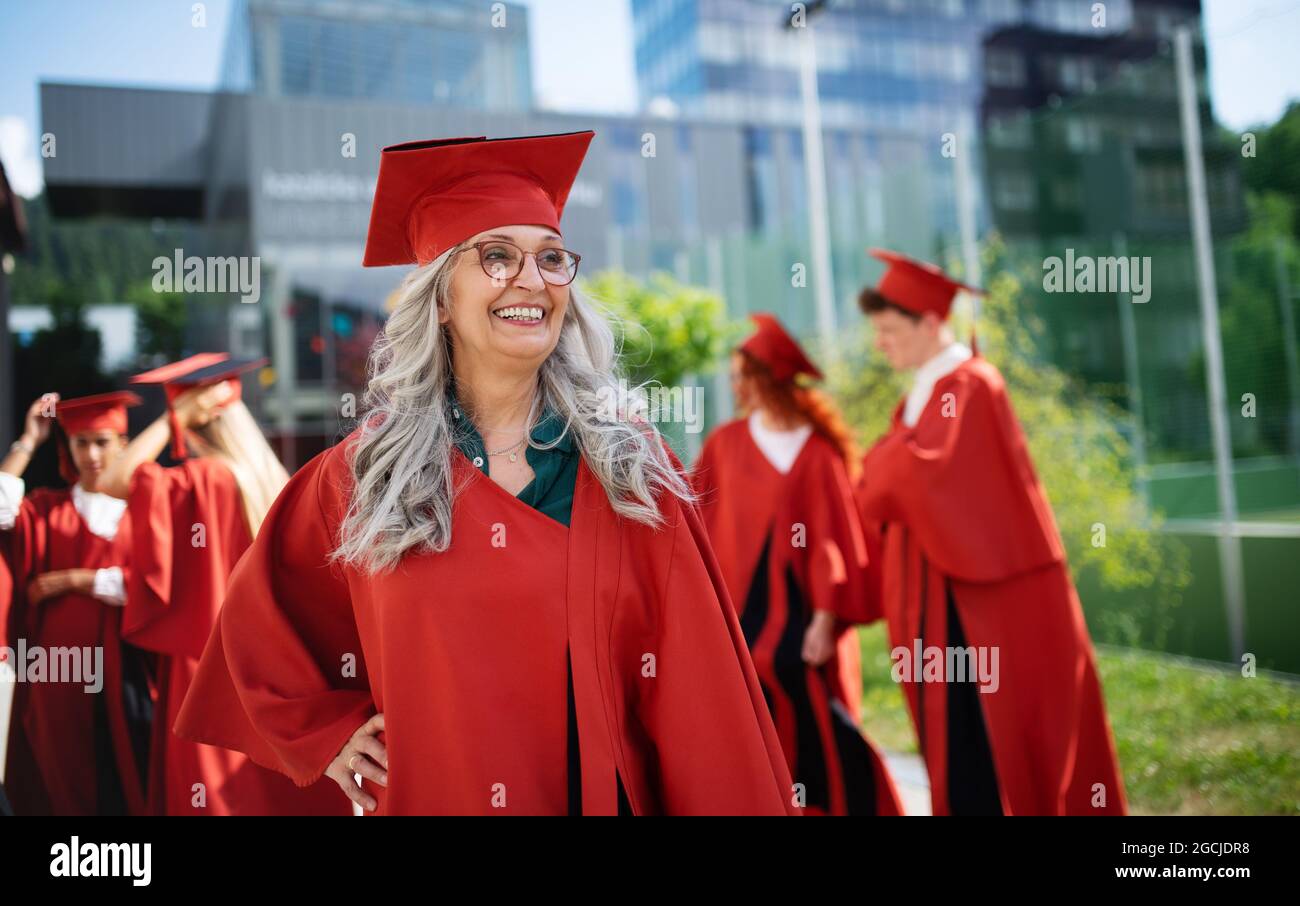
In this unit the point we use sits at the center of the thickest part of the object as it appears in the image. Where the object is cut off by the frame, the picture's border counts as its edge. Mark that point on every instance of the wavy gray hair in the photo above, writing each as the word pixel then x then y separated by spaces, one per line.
pixel 401 463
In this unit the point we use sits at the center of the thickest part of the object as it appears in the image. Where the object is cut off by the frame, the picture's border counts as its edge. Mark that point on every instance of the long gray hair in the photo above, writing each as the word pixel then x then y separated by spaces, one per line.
pixel 401 464
pixel 235 439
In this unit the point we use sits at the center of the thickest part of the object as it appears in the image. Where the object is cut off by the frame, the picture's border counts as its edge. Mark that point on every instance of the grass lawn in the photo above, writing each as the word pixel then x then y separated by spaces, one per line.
pixel 1192 741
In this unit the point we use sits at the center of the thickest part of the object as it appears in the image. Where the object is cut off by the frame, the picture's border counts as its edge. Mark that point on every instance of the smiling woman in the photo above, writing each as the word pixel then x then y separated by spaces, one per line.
pixel 472 631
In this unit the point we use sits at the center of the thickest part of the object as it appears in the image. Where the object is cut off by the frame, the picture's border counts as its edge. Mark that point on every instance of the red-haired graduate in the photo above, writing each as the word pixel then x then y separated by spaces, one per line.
pixel 494 597
pixel 989 637
pixel 82 708
pixel 192 523
pixel 775 496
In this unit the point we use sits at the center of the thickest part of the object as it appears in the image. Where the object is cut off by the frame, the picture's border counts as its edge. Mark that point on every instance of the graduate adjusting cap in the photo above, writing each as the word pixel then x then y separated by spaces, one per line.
pixel 917 286
pixel 775 348
pixel 433 195
pixel 201 370
pixel 103 411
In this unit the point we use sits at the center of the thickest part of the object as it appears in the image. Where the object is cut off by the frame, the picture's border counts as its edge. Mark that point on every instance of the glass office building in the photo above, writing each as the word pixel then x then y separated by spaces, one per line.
pixel 888 67
pixel 456 52
pixel 917 65
pixel 718 202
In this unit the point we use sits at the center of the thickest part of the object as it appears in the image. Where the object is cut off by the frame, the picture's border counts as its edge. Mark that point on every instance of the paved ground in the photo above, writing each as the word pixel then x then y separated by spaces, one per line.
pixel 6 699
pixel 910 778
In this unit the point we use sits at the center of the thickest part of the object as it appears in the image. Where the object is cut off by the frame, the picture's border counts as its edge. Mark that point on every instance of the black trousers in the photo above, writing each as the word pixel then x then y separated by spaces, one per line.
pixel 972 780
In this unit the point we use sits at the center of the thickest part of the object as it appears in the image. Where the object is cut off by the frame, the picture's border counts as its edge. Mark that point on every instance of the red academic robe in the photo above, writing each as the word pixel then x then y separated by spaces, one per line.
pixel 464 652
pixel 971 548
pixel 70 751
pixel 190 532
pixel 6 592
pixel 788 545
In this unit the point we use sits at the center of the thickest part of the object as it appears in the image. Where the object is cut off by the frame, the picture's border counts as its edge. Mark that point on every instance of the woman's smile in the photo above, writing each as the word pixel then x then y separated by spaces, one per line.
pixel 528 315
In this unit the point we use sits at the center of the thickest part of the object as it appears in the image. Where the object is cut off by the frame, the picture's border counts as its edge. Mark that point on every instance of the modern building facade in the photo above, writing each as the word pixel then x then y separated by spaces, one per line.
pixel 280 165
pixel 457 52
pixel 13 240
pixel 1084 151
pixel 909 65
pixel 275 178
pixel 914 67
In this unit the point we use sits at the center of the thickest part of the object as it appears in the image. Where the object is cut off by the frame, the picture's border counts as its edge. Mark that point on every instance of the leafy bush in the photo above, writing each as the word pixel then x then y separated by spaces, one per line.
pixel 666 329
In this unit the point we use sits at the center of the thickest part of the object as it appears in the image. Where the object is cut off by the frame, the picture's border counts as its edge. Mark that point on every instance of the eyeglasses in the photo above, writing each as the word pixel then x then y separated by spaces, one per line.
pixel 503 261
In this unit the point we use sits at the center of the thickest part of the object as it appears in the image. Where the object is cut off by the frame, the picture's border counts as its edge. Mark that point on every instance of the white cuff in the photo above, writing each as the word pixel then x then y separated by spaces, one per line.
pixel 12 489
pixel 110 587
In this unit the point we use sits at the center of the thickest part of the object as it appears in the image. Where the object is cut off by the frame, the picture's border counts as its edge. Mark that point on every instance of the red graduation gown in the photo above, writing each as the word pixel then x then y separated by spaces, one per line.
pixel 787 545
pixel 463 652
pixel 190 532
pixel 66 747
pixel 6 592
pixel 964 515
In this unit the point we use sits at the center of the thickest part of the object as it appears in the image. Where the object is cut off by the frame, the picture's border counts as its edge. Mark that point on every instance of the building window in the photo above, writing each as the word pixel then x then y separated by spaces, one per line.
pixel 687 185
pixel 1014 192
pixel 296 55
pixel 764 205
pixel 1004 68
pixel 1010 131
pixel 997 12
pixel 1082 134
pixel 1067 194
pixel 627 179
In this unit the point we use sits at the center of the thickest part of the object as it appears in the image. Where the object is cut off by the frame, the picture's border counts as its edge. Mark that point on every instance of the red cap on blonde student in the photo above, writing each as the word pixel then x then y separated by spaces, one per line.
pixel 433 195
pixel 101 412
pixel 772 345
pixel 917 286
pixel 201 370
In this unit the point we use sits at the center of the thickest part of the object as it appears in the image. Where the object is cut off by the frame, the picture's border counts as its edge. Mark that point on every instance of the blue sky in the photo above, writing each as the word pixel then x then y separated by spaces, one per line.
pixel 1253 44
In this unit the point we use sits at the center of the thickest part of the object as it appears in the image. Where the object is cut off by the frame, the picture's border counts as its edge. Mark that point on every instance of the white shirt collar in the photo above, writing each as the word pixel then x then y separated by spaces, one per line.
pixel 780 448
pixel 101 512
pixel 941 365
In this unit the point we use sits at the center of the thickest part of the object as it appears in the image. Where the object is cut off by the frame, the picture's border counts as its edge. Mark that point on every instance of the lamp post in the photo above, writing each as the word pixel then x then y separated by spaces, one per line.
pixel 815 165
pixel 1230 563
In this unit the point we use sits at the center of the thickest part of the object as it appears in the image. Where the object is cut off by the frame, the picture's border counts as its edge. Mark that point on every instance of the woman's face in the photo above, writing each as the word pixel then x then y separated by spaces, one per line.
pixel 92 451
pixel 506 320
pixel 742 389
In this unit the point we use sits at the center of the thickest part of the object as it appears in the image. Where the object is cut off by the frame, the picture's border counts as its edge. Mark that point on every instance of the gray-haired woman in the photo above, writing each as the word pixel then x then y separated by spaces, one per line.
pixel 495 596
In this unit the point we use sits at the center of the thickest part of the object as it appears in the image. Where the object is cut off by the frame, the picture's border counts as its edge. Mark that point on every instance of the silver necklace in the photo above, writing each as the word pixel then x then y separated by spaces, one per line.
pixel 514 457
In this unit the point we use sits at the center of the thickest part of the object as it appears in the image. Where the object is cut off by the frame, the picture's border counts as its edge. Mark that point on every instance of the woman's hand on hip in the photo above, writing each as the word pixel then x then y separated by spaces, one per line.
pixel 363 754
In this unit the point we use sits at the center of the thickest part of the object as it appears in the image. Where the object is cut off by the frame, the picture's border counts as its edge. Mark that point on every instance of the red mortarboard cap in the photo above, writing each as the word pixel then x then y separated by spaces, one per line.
pixel 103 411
pixel 199 370
pixel 433 195
pixel 776 349
pixel 95 413
pixel 917 286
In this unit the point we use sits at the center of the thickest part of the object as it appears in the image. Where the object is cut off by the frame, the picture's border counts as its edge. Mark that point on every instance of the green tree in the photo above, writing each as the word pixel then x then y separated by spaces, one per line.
pixel 665 329
pixel 1254 339
pixel 160 320
pixel 1275 167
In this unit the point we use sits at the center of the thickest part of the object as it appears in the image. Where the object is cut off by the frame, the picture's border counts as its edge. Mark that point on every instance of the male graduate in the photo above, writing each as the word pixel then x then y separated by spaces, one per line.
pixel 988 636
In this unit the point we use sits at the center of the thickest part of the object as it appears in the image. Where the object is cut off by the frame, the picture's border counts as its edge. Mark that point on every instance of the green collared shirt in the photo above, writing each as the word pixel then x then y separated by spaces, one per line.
pixel 555 468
